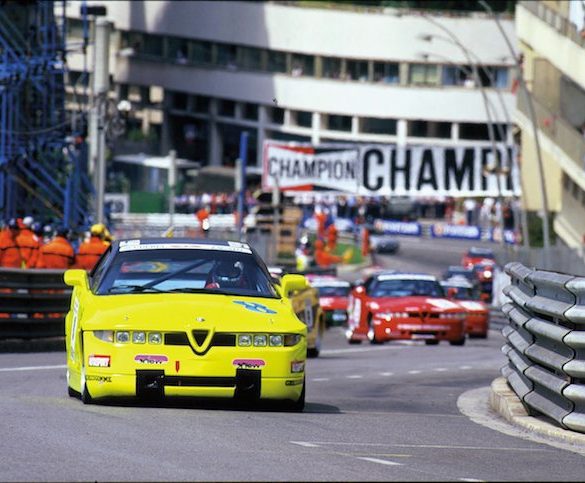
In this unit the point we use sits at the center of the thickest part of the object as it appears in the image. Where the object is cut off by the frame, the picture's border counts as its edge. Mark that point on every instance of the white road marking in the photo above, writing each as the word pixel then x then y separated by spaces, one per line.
pixel 305 444
pixel 465 367
pixel 386 374
pixel 440 369
pixel 361 349
pixel 469 479
pixel 414 372
pixel 382 462
pixel 320 379
pixel 355 376
pixel 32 368
pixel 432 446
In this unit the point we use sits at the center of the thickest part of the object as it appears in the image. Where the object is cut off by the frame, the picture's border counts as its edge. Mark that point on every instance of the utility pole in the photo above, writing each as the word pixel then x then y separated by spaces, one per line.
pixel 241 182
pixel 97 128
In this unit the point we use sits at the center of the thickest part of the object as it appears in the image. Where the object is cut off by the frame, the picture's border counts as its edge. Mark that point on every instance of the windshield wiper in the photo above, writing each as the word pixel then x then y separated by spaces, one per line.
pixel 135 289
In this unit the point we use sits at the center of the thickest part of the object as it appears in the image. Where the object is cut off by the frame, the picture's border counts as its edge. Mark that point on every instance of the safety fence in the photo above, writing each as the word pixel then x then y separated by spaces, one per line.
pixel 33 303
pixel 546 343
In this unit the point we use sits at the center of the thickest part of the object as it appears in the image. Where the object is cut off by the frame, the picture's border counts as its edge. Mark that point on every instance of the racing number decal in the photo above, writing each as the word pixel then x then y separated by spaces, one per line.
pixel 255 307
pixel 74 328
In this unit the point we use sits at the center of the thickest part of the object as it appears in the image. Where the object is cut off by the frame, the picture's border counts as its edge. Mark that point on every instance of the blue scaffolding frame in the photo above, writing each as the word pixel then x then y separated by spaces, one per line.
pixel 43 161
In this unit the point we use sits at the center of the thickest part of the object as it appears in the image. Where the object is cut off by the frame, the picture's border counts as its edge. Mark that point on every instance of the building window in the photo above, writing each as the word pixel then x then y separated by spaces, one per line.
pixel 250 58
pixel 576 191
pixel 480 132
pixel 250 111
pixel 226 108
pixel 276 61
pixel 429 129
pixel 75 28
pixel 423 74
pixel 201 104
pixel 276 115
pixel 132 42
pixel 152 45
pixel 200 52
pixel 303 65
pixel 458 75
pixel 494 76
pixel 388 72
pixel 357 70
pixel 180 100
pixel 177 50
pixel 303 118
pixel 331 68
pixel 374 125
pixel 226 55
pixel 339 123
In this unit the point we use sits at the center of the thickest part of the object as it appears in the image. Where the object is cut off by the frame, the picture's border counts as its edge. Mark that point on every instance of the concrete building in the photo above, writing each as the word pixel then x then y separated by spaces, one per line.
pixel 552 39
pixel 197 73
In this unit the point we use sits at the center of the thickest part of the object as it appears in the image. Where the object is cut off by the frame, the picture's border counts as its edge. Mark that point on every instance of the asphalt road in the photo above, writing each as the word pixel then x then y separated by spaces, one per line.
pixel 397 412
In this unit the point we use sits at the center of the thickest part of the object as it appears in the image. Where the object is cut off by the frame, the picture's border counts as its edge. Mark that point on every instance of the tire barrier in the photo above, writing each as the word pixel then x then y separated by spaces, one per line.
pixel 546 343
pixel 33 303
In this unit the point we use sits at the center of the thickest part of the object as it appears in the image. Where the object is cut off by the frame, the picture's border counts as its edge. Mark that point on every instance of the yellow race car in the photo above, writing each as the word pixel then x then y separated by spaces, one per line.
pixel 184 317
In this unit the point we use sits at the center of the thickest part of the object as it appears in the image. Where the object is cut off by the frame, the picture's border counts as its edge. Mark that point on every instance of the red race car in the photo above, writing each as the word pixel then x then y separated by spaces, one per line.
pixel 477 255
pixel 394 306
pixel 467 295
pixel 333 298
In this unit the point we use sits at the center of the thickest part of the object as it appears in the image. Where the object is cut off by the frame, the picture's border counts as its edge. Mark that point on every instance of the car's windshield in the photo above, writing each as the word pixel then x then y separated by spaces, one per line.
pixel 464 293
pixel 185 270
pixel 333 291
pixel 406 288
pixel 481 252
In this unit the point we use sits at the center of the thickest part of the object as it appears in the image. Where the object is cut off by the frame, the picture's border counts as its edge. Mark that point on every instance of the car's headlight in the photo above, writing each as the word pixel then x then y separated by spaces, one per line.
pixel 260 340
pixel 275 340
pixel 105 335
pixel 292 339
pixel 154 338
pixel 123 337
pixel 138 337
pixel 244 340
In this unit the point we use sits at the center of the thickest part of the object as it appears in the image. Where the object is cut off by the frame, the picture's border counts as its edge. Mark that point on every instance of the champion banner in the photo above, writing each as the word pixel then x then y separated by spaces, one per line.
pixel 389 169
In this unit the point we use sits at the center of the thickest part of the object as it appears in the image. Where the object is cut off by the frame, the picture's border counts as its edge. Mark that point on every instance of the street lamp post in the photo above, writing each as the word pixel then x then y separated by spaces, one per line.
pixel 524 89
pixel 490 125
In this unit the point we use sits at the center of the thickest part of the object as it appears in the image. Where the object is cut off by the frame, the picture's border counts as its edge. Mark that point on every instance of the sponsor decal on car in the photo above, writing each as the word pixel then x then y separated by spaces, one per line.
pixel 249 363
pixel 100 379
pixel 422 327
pixel 293 382
pixel 151 359
pixel 181 246
pixel 96 360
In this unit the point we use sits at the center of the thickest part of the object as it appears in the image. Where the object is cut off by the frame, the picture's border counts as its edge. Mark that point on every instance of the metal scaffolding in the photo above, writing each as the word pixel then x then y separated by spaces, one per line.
pixel 43 161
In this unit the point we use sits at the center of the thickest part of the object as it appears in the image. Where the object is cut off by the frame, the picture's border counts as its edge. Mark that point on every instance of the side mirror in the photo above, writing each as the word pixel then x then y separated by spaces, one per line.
pixel 76 278
pixel 292 282
pixel 451 292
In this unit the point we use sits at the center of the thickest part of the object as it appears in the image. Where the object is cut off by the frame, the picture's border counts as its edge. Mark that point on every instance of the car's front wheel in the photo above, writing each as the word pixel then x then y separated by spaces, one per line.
pixel 458 342
pixel 85 395
pixel 299 404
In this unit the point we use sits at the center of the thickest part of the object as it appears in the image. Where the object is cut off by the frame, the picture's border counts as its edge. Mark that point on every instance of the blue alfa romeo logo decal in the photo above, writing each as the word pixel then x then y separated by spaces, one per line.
pixel 255 307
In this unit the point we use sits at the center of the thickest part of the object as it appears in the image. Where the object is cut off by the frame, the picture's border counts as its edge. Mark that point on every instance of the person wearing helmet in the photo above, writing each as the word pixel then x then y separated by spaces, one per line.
pixel 58 253
pixel 91 250
pixel 226 274
pixel 324 258
pixel 28 243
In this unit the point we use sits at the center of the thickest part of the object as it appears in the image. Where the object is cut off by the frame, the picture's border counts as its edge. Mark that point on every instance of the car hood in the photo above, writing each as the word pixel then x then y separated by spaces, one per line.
pixel 333 303
pixel 189 311
pixel 473 305
pixel 412 304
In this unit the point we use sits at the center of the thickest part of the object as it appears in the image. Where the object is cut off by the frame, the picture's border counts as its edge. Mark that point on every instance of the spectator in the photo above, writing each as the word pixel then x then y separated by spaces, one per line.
pixel 9 253
pixel 28 243
pixel 92 249
pixel 203 219
pixel 58 253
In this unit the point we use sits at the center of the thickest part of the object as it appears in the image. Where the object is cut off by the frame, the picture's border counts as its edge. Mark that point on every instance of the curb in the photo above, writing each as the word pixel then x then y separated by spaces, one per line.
pixel 350 268
pixel 505 402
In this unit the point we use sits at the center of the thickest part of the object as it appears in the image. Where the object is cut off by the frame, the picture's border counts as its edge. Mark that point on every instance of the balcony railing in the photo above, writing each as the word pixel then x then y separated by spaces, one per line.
pixel 558 22
pixel 562 133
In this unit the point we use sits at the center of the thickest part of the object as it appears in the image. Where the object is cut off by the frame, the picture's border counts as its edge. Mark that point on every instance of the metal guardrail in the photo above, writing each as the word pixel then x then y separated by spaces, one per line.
pixel 33 303
pixel 546 343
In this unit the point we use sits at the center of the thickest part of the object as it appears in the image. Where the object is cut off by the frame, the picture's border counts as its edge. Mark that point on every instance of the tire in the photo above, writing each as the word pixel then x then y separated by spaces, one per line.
pixel 70 391
pixel 431 342
pixel 458 342
pixel 299 405
pixel 85 395
pixel 314 351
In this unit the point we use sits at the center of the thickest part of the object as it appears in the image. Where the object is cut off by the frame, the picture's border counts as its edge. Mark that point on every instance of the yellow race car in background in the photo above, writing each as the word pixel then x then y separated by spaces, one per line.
pixel 184 317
